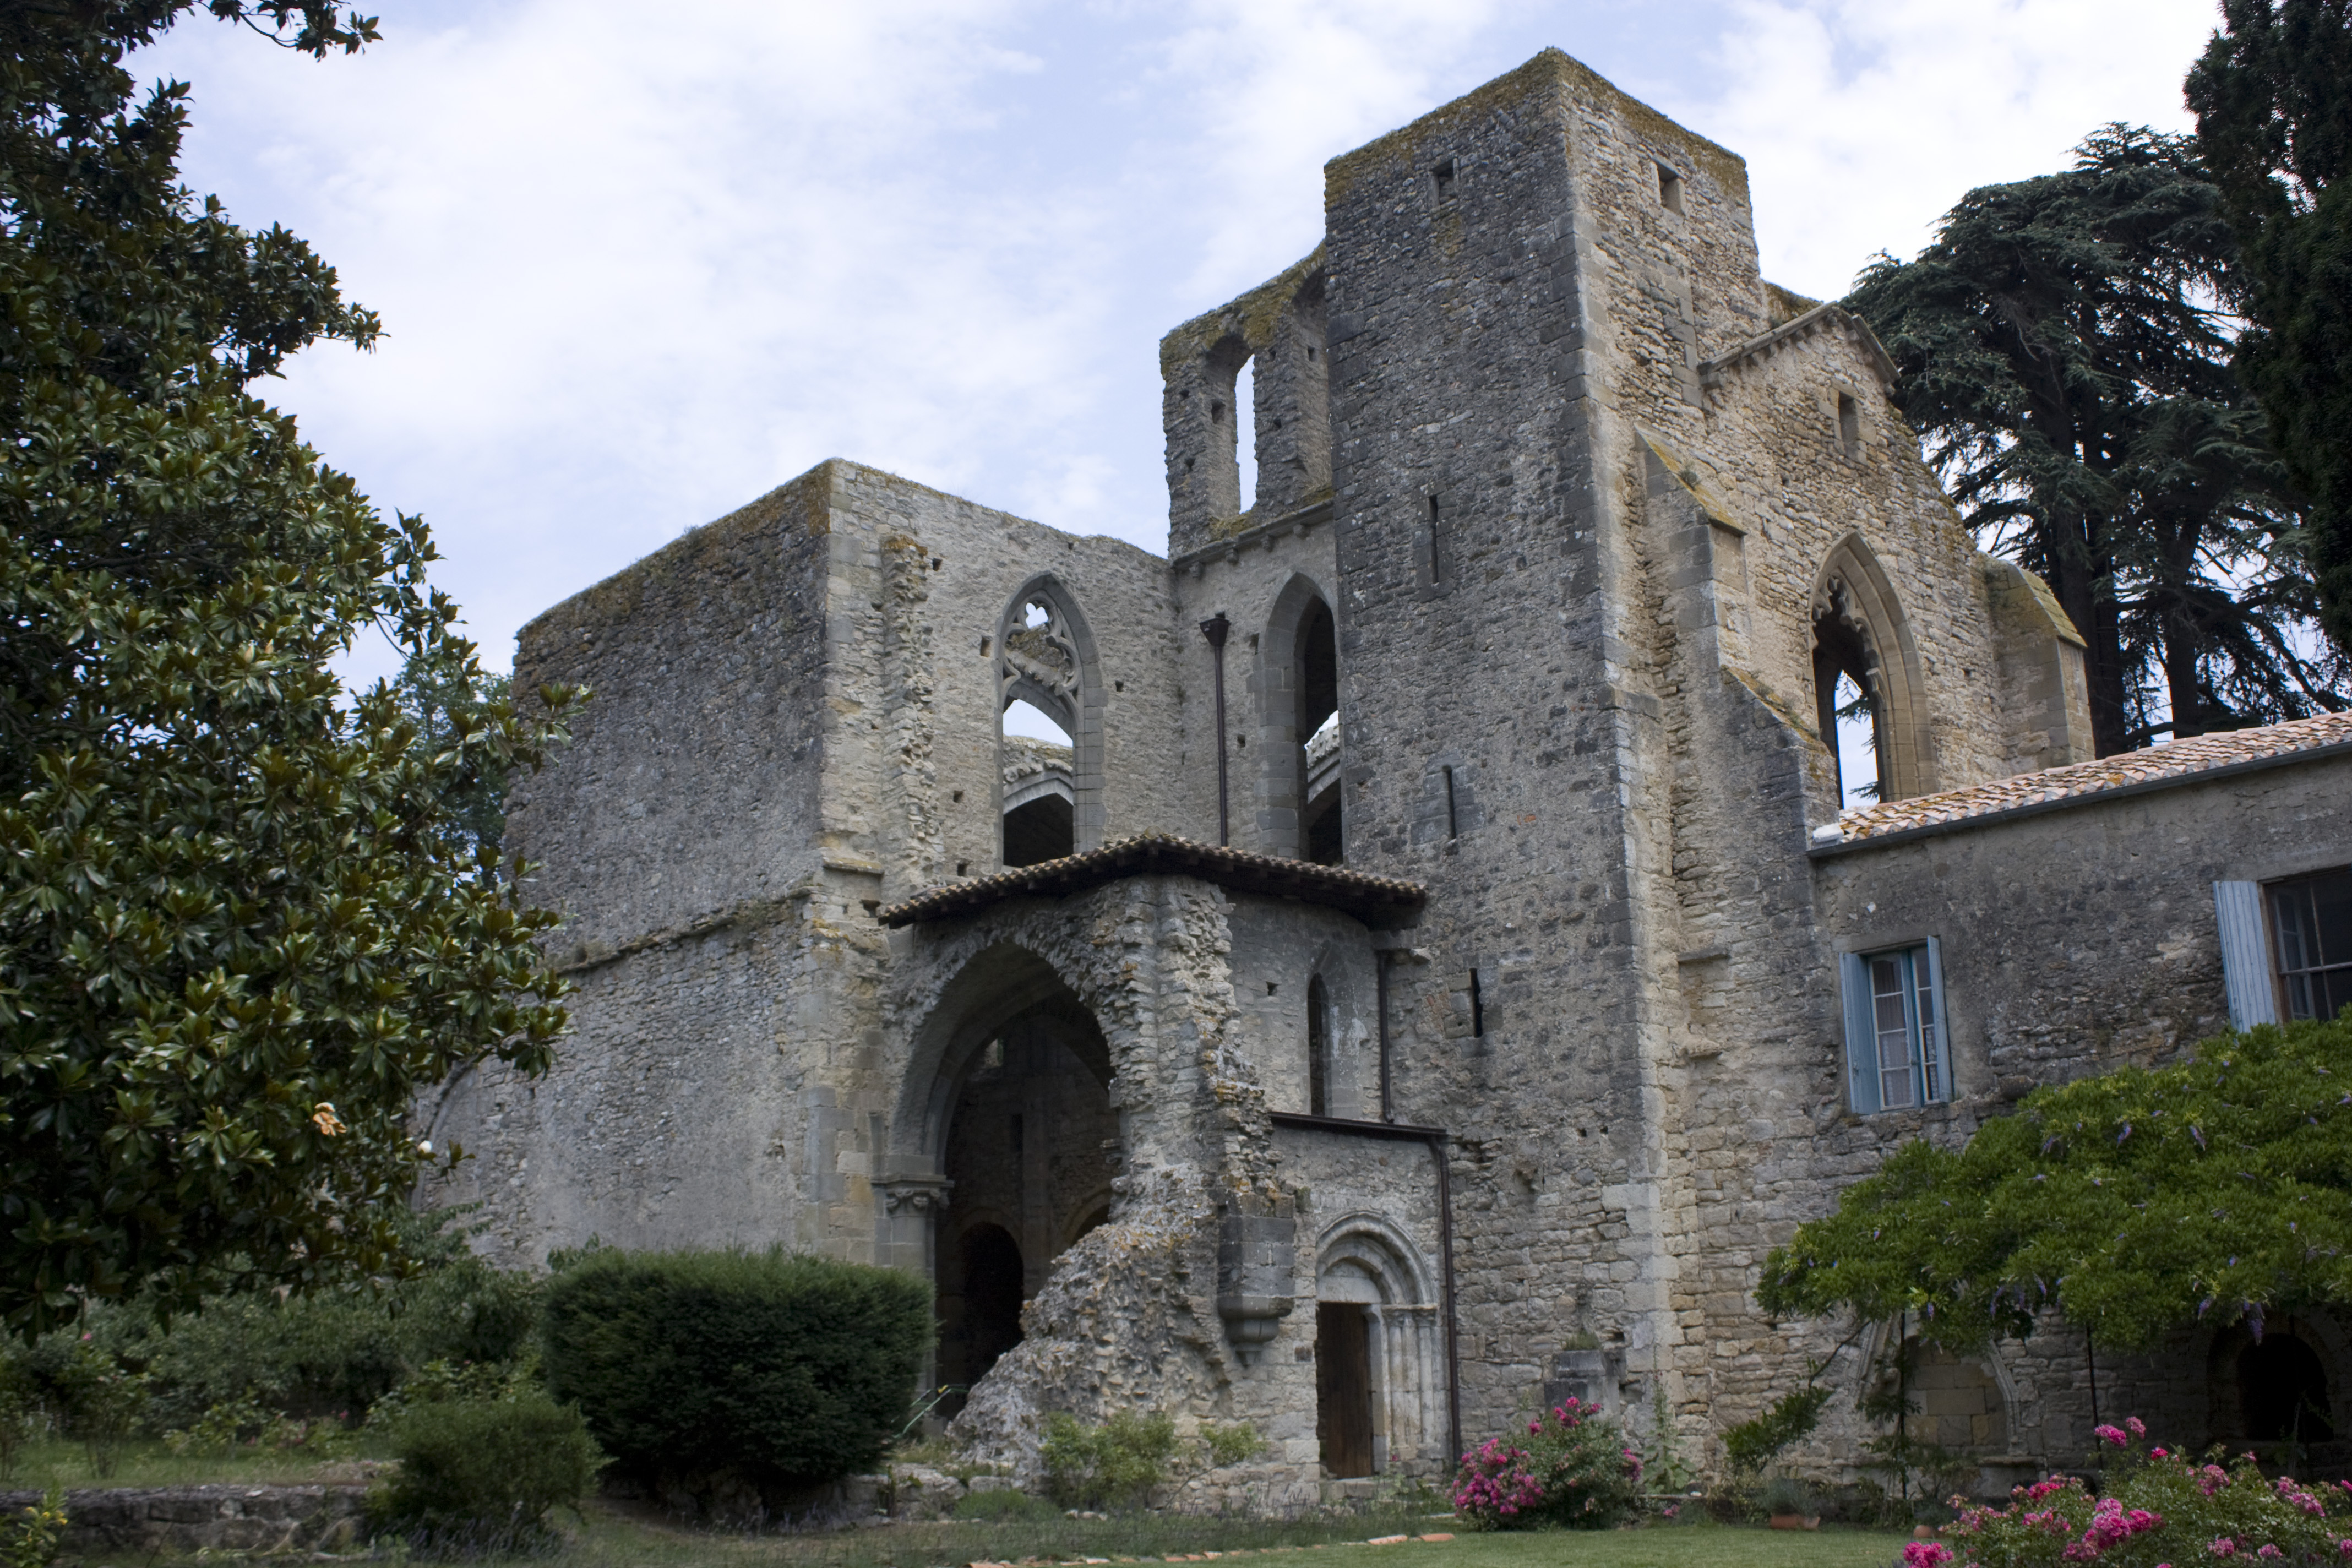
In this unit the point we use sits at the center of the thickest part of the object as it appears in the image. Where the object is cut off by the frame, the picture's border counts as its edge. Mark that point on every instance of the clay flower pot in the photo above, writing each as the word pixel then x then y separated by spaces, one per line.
pixel 1796 1522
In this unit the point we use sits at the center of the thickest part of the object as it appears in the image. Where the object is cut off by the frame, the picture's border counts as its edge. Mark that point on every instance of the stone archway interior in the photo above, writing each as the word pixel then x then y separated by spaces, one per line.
pixel 2283 1391
pixel 1029 1165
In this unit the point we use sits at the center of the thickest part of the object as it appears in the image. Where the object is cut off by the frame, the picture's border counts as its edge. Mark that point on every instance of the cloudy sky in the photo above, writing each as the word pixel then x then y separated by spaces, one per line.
pixel 640 264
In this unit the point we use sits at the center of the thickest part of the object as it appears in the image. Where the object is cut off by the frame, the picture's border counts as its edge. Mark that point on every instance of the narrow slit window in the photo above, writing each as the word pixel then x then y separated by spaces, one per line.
pixel 1436 538
pixel 1850 423
pixel 1670 189
pixel 1477 1009
pixel 1318 1050
pixel 1444 174
pixel 1453 821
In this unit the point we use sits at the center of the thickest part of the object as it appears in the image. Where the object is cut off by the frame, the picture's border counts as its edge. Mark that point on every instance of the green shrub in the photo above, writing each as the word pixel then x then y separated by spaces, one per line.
pixel 1115 1465
pixel 337 1351
pixel 1573 1469
pixel 483 1473
pixel 103 1402
pixel 1754 1444
pixel 1006 1507
pixel 17 1405
pixel 783 1368
pixel 30 1540
pixel 1230 1444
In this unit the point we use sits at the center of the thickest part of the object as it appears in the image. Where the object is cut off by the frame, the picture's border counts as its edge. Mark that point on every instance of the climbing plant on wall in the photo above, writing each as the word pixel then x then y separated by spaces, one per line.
pixel 242 916
pixel 2065 351
pixel 2131 1203
pixel 2273 100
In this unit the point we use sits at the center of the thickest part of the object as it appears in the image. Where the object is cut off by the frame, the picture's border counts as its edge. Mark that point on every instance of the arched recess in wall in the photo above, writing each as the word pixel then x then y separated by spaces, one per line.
pixel 1860 632
pixel 1300 804
pixel 1045 658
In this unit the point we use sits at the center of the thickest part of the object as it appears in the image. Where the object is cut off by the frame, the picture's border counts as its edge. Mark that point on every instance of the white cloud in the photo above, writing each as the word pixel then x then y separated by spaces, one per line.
pixel 638 266
pixel 1862 121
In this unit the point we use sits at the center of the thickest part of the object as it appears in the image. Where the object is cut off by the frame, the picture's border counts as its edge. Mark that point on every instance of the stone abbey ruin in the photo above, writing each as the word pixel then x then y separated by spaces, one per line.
pixel 1440 965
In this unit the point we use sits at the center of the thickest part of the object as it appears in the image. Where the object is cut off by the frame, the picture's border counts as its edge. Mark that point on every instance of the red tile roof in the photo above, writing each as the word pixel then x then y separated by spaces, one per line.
pixel 1374 899
pixel 2155 764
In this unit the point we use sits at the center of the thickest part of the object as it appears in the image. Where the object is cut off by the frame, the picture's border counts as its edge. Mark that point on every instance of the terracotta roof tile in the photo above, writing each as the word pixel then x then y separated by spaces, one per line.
pixel 2155 763
pixel 1375 900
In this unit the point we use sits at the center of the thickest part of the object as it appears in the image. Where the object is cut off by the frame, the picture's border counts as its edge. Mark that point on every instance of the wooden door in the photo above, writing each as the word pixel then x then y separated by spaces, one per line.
pixel 1343 1387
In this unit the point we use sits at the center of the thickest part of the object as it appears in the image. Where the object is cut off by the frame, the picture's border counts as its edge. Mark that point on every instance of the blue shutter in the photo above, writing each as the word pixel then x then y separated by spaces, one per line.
pixel 2245 953
pixel 1860 1034
pixel 1932 984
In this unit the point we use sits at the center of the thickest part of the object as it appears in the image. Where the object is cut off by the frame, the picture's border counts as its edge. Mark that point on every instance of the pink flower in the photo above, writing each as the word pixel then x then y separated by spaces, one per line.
pixel 2222 1546
pixel 2269 1551
pixel 2138 1427
pixel 2160 1453
pixel 1926 1554
pixel 2110 1434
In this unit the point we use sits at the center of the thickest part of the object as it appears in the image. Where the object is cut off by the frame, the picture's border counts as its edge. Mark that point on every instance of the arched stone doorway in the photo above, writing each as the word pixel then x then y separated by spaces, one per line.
pixel 1376 1350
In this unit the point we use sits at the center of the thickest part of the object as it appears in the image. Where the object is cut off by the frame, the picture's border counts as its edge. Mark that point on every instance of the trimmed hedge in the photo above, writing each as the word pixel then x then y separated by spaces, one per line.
pixel 780 1366
pixel 481 1474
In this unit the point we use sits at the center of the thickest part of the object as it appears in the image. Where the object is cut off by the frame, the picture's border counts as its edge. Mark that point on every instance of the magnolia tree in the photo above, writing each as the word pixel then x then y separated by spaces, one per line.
pixel 244 913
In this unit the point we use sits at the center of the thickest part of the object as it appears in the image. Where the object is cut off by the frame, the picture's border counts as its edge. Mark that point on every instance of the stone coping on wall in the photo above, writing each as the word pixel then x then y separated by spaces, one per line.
pixel 2182 761
pixel 1375 901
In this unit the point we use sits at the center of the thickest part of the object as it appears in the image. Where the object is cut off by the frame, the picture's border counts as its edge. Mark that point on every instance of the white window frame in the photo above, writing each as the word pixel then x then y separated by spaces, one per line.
pixel 1894 1001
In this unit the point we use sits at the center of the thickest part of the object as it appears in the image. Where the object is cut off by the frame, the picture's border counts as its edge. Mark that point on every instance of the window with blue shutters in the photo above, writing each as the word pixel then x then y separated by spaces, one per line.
pixel 1898 1052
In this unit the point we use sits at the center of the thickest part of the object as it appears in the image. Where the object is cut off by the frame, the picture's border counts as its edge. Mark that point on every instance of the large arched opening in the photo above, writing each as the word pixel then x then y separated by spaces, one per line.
pixel 1008 1108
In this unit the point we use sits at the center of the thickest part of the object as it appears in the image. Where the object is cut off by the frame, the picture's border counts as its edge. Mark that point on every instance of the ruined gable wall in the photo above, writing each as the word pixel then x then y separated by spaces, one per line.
pixel 1772 451
pixel 921 581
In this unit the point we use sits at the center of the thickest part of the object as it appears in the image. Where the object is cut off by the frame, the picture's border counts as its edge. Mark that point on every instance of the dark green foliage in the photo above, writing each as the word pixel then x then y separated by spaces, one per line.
pixel 436 699
pixel 1115 1465
pixel 339 1350
pixel 333 1352
pixel 2133 1201
pixel 785 1368
pixel 1754 1444
pixel 481 1474
pixel 2065 351
pixel 242 918
pixel 2273 100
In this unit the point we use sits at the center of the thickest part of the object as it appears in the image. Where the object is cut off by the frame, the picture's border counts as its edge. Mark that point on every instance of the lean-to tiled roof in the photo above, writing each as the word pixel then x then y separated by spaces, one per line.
pixel 1374 899
pixel 2127 770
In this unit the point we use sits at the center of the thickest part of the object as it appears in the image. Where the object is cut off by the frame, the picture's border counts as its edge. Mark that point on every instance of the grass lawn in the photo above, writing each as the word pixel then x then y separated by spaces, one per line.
pixel 146 1462
pixel 618 1539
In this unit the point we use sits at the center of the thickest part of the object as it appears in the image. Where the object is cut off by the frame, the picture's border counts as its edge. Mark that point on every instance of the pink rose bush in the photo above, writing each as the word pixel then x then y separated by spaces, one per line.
pixel 2162 1510
pixel 1572 1468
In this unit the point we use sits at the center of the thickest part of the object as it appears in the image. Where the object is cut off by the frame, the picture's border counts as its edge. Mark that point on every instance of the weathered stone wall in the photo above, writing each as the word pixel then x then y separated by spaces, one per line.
pixel 176 1521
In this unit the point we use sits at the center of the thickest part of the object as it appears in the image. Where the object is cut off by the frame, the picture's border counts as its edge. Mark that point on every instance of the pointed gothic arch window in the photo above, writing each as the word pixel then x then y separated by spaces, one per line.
pixel 1051 772
pixel 1866 672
